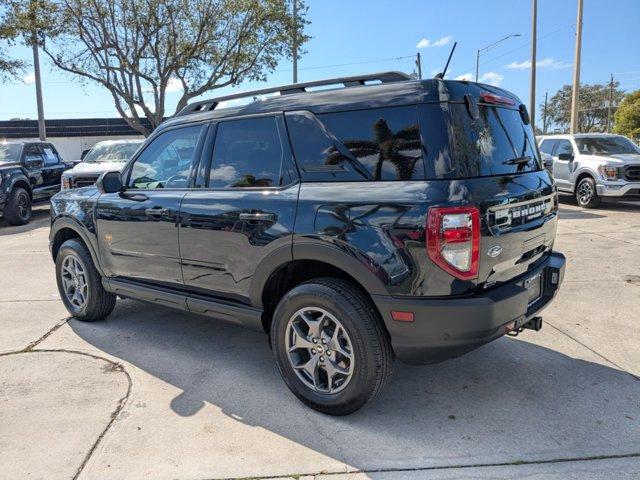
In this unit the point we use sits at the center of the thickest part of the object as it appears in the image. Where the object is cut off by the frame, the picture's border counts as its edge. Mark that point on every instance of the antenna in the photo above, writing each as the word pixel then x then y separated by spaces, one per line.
pixel 442 74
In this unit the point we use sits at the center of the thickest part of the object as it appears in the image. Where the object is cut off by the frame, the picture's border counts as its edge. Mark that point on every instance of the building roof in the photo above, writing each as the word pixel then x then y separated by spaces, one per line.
pixel 80 127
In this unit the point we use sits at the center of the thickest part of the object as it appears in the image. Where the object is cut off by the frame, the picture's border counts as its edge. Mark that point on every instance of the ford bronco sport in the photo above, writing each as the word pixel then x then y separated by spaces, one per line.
pixel 387 218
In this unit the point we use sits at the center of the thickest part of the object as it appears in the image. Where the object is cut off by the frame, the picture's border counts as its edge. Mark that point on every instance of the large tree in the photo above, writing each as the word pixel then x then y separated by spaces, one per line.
pixel 628 116
pixel 592 107
pixel 140 49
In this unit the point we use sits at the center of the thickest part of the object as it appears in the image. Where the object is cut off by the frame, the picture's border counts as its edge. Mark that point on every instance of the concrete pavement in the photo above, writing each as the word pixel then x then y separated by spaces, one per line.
pixel 155 393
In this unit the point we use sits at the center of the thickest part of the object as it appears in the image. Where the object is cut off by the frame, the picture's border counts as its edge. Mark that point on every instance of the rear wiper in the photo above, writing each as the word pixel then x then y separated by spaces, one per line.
pixel 518 160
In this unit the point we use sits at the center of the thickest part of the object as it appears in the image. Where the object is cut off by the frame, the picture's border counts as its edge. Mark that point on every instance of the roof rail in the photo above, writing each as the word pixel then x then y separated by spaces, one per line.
pixel 212 103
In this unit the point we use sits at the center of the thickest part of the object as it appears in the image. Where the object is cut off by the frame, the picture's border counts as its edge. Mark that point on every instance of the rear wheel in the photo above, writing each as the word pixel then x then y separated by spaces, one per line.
pixel 80 285
pixel 586 194
pixel 17 211
pixel 330 346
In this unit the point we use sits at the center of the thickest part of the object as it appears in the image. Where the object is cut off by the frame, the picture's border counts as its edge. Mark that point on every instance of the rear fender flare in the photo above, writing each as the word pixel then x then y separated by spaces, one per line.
pixel 88 239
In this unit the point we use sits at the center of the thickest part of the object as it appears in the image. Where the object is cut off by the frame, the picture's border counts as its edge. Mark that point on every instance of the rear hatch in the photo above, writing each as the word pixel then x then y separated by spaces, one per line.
pixel 490 151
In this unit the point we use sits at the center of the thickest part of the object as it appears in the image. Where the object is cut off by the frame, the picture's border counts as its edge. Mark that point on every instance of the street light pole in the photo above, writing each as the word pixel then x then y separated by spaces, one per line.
pixel 576 73
pixel 42 132
pixel 532 93
pixel 295 42
pixel 487 48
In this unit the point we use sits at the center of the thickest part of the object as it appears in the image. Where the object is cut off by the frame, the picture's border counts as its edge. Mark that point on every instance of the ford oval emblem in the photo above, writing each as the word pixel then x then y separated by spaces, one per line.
pixel 494 251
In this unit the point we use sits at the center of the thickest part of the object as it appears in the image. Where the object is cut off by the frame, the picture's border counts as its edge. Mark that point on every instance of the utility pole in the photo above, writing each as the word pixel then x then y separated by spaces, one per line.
pixel 544 114
pixel 532 93
pixel 42 133
pixel 419 65
pixel 295 42
pixel 610 105
pixel 575 92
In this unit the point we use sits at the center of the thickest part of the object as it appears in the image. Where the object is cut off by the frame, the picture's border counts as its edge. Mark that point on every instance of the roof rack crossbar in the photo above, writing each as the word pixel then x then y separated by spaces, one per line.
pixel 212 103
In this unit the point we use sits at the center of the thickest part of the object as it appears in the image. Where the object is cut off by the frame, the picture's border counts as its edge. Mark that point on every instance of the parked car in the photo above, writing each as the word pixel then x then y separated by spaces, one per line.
pixel 594 166
pixel 389 218
pixel 30 172
pixel 108 155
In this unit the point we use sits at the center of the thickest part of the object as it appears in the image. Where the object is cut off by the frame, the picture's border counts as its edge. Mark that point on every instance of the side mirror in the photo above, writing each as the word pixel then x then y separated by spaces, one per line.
pixel 109 182
pixel 33 162
pixel 565 156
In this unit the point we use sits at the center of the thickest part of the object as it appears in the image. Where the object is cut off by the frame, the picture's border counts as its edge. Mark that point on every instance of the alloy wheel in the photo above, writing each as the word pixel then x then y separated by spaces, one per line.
pixel 23 205
pixel 74 281
pixel 585 193
pixel 319 350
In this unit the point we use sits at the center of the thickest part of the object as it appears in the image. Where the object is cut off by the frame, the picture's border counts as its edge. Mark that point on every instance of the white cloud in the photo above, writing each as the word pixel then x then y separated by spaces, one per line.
pixel 544 63
pixel 441 42
pixel 29 79
pixel 492 78
pixel 467 77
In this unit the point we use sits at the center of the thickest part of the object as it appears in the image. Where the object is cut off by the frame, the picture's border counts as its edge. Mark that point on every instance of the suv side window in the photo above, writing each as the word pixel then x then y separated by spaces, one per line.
pixel 33 153
pixel 248 153
pixel 547 145
pixel 51 157
pixel 564 146
pixel 166 162
pixel 385 140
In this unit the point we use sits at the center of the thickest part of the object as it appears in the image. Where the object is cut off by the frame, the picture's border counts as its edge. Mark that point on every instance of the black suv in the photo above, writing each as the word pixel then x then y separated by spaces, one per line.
pixel 389 217
pixel 29 172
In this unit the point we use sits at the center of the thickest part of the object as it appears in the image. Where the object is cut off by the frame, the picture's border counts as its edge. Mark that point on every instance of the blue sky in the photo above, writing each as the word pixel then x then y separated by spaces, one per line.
pixel 357 36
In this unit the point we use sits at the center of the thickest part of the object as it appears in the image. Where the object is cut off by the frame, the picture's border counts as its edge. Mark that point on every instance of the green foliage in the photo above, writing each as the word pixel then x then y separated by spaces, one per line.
pixel 627 119
pixel 140 50
pixel 592 107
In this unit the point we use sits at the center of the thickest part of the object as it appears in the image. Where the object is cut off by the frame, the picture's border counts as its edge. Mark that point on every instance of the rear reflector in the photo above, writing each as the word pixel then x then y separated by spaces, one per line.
pixel 453 240
pixel 402 316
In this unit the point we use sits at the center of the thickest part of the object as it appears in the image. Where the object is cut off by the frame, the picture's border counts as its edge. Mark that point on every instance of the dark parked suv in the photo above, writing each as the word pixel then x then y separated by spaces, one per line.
pixel 387 218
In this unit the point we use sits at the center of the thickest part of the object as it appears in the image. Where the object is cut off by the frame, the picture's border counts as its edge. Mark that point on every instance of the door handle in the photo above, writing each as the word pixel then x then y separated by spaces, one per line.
pixel 157 211
pixel 258 216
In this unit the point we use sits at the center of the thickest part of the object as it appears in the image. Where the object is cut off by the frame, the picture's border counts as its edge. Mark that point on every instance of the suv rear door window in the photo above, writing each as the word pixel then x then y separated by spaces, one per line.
pixel 247 153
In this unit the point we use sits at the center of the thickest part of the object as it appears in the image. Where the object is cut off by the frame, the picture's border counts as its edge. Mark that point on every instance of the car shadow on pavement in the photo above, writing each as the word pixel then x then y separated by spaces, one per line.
pixel 39 217
pixel 505 397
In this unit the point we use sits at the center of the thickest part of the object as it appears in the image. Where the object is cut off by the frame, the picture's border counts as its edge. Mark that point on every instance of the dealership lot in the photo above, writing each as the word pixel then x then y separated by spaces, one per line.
pixel 155 393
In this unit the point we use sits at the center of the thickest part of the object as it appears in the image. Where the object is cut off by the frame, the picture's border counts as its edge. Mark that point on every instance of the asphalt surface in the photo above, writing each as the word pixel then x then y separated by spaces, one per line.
pixel 155 393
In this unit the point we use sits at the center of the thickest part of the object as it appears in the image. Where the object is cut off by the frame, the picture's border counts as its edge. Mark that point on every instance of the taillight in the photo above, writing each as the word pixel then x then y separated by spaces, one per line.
pixel 498 99
pixel 453 240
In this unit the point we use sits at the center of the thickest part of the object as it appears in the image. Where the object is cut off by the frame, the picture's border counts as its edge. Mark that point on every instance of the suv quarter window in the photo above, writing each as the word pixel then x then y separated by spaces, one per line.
pixel 249 152
pixel 166 162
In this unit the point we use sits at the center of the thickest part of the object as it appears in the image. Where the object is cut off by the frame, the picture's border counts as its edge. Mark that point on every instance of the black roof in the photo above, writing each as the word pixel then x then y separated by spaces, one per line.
pixel 81 127
pixel 351 97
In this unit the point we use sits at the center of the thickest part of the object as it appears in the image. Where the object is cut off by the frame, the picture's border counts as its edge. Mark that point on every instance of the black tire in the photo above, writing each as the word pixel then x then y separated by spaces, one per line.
pixel 586 193
pixel 17 210
pixel 98 302
pixel 372 352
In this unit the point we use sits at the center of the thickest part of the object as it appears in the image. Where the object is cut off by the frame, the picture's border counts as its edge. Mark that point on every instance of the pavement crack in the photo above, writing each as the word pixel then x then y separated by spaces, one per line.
pixel 32 345
pixel 113 366
pixel 592 350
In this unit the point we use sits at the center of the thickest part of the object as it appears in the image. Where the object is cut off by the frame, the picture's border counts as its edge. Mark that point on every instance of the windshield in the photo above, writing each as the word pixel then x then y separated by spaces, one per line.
pixel 111 152
pixel 9 152
pixel 606 146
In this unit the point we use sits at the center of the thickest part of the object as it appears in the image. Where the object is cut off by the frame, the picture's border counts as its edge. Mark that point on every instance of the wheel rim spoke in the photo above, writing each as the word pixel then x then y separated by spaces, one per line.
pixel 319 350
pixel 74 281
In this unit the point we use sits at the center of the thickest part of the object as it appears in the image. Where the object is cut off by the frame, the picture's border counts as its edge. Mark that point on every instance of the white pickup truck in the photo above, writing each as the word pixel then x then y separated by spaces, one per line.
pixel 594 166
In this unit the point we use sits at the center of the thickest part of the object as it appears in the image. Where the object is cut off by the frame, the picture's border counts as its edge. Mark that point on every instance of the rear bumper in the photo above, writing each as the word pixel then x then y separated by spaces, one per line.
pixel 447 328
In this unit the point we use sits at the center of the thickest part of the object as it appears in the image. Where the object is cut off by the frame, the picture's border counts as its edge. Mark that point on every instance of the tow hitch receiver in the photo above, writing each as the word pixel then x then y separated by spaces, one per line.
pixel 534 324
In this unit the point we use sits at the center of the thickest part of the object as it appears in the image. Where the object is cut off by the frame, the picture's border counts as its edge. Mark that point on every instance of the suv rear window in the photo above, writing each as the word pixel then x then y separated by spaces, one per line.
pixel 458 146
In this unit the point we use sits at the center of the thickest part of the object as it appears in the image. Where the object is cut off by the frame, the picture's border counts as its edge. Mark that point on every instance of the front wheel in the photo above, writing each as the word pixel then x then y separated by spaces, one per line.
pixel 17 211
pixel 586 194
pixel 80 285
pixel 330 346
